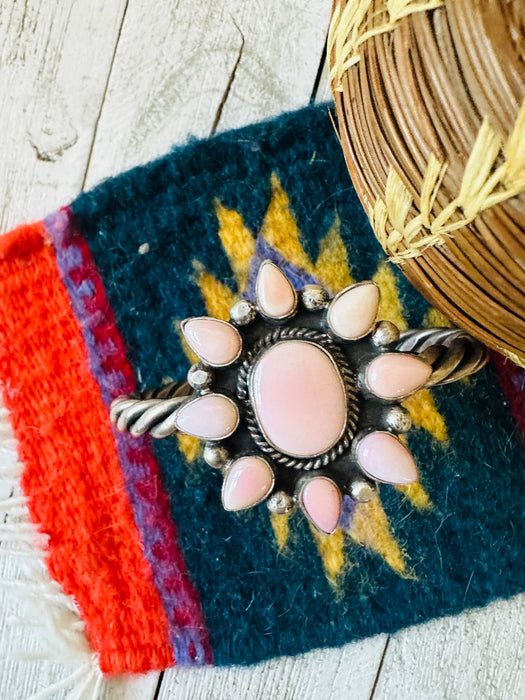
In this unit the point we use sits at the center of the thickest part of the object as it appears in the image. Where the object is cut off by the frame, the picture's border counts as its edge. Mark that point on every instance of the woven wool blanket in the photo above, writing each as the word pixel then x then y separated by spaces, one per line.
pixel 90 304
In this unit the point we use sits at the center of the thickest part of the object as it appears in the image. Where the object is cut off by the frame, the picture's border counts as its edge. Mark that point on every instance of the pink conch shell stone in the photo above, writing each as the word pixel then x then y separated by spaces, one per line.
pixel 395 375
pixel 299 398
pixel 322 502
pixel 216 342
pixel 209 417
pixel 275 295
pixel 383 457
pixel 248 482
pixel 353 312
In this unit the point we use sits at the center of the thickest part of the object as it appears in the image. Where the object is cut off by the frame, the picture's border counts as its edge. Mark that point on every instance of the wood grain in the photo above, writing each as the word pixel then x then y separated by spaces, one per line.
pixel 479 655
pixel 196 66
pixel 284 43
pixel 324 91
pixel 54 61
pixel 324 674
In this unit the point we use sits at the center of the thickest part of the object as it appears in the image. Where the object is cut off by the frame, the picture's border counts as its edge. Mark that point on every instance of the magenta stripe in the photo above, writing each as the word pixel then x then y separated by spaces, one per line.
pixel 109 366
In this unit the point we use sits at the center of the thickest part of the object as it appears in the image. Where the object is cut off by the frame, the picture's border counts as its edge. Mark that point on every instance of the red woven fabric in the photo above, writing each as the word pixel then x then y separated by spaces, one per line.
pixel 68 450
pixel 512 381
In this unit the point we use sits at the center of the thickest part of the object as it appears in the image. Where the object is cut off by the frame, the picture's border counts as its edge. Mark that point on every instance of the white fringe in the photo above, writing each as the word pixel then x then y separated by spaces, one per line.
pixel 52 616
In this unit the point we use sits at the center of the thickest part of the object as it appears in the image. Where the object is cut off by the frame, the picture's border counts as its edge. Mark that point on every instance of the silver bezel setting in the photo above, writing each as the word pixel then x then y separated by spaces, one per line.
pixel 355 450
pixel 283 317
pixel 325 343
pixel 254 503
pixel 207 363
pixel 304 483
pixel 362 379
pixel 203 397
pixel 342 293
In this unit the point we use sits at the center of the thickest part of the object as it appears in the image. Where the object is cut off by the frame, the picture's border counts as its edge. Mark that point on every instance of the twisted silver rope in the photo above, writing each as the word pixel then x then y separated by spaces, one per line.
pixel 452 352
pixel 152 411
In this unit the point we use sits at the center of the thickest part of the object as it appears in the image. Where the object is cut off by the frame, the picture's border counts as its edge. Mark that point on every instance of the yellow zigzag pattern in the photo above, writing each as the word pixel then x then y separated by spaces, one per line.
pixel 281 528
pixel 370 525
pixel 331 550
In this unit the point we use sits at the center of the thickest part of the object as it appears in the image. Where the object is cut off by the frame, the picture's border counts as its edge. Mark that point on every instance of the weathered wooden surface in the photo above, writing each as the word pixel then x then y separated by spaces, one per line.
pixel 90 88
pixel 324 674
pixel 194 67
pixel 54 63
pixel 479 655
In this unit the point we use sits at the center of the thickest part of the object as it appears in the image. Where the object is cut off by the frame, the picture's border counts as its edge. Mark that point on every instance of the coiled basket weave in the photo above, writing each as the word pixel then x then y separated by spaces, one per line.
pixel 430 99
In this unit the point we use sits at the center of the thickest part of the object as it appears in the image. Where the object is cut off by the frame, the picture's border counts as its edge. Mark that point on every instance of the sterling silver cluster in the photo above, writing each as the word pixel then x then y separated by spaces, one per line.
pixel 311 316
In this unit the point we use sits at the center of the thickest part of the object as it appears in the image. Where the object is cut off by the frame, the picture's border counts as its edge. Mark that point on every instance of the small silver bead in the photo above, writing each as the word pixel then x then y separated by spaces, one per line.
pixel 215 455
pixel 199 376
pixel 385 333
pixel 398 419
pixel 243 312
pixel 362 491
pixel 280 503
pixel 314 297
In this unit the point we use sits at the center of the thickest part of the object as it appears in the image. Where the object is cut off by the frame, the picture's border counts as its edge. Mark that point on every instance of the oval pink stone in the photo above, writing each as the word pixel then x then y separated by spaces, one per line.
pixel 248 482
pixel 299 398
pixel 276 297
pixel 217 343
pixel 209 417
pixel 383 457
pixel 396 375
pixel 321 500
pixel 353 312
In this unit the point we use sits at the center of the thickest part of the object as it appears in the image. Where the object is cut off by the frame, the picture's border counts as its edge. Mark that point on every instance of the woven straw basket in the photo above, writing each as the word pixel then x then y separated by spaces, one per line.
pixel 431 105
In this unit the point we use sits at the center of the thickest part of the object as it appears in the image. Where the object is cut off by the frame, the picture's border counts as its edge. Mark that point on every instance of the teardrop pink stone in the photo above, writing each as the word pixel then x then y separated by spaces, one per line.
pixel 209 417
pixel 383 457
pixel 248 482
pixel 299 398
pixel 321 500
pixel 396 375
pixel 276 297
pixel 217 343
pixel 353 312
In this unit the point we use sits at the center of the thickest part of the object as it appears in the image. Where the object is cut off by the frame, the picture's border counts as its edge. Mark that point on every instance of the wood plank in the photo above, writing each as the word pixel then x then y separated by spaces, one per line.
pixel 172 66
pixel 324 92
pixel 323 674
pixel 54 62
pixel 284 42
pixel 479 655
pixel 180 68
